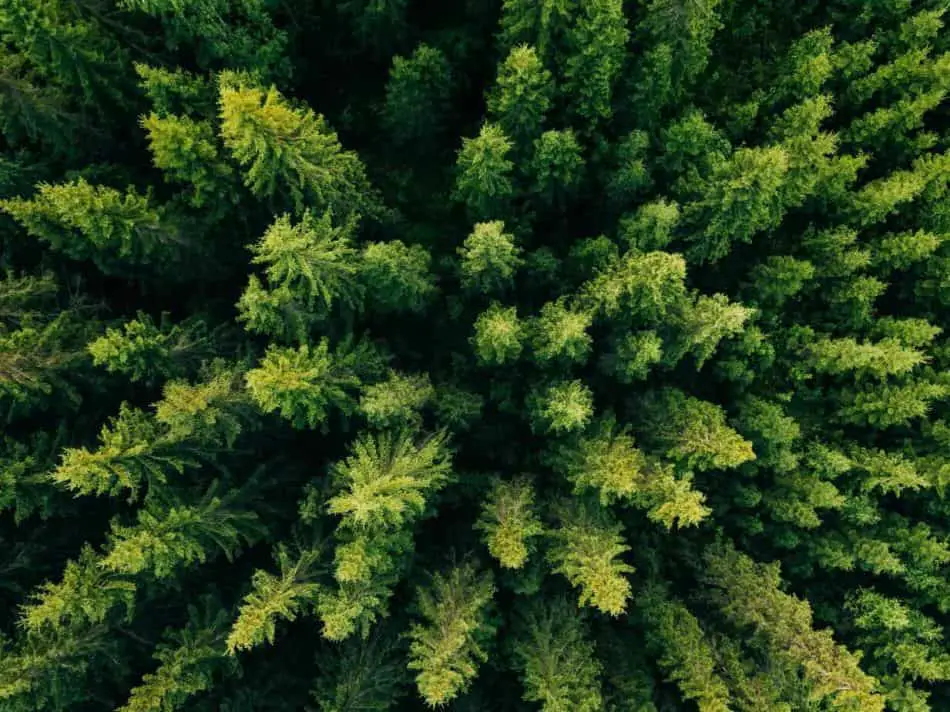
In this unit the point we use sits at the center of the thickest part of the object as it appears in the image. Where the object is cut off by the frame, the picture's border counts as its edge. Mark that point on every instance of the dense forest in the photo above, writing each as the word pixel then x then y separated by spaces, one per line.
pixel 484 355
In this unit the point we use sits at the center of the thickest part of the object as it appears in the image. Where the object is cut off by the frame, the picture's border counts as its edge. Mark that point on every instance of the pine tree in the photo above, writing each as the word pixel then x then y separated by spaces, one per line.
pixel 586 546
pixel 312 262
pixel 483 180
pixel 598 41
pixel 187 152
pixel 116 231
pixel 522 95
pixel 694 431
pixel 560 334
pixel 180 534
pixel 561 407
pixel 509 522
pixel 290 154
pixel 555 658
pixel 396 277
pixel 142 350
pixel 360 675
pixel 385 481
pixel 274 598
pixel 397 401
pixel 417 96
pixel 684 652
pixel 498 335
pixel 188 662
pixel 447 647
pixel 489 258
pixel 303 384
pixel 748 595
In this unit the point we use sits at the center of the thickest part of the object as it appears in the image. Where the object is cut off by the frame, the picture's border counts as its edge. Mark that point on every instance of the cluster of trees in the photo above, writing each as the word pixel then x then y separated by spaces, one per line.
pixel 559 355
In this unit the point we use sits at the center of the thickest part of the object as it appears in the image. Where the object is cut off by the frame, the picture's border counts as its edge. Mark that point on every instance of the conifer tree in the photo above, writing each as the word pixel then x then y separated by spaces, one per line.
pixel 509 522
pixel 290 154
pixel 188 662
pixel 417 95
pixel 114 230
pixel 143 350
pixel 498 335
pixel 489 258
pixel 586 549
pixel 447 647
pixel 483 180
pixel 556 660
pixel 597 39
pixel 522 96
pixel 273 598
pixel 748 595
pixel 685 653
pixel 303 384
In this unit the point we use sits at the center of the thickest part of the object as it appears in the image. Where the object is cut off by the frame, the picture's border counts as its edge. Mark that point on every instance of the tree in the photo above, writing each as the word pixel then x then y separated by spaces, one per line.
pixel 242 36
pixel 417 95
pixel 543 24
pixel 559 333
pixel 483 173
pixel 310 267
pixel 498 335
pixel 522 95
pixel 705 323
pixel 396 277
pixel 631 175
pixel 556 166
pixel 290 154
pixel 360 674
pixel 385 481
pixel 586 546
pixel 303 384
pixel 634 355
pixel 179 534
pixel 143 350
pixel 447 647
pixel 382 489
pixel 187 151
pixel 556 659
pixel 680 35
pixel 115 230
pixel 562 406
pixel 274 598
pixel 693 431
pixel 598 39
pixel 605 461
pixel 644 285
pixel 744 198
pixel 397 401
pixel 651 226
pixel 685 653
pixel 748 595
pixel 509 522
pixel 489 258
pixel 188 661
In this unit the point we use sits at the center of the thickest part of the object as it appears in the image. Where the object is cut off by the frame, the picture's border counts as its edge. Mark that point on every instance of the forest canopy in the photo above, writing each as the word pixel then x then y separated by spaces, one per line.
pixel 509 355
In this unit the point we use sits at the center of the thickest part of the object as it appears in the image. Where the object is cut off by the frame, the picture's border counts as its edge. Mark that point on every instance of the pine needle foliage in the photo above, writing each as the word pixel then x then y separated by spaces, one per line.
pixel 446 649
pixel 520 355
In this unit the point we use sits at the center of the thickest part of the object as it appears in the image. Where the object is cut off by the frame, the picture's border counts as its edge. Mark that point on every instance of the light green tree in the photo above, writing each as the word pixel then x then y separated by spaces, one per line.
pixel 290 154
pixel 489 258
pixel 509 522
pixel 448 645
pixel 586 548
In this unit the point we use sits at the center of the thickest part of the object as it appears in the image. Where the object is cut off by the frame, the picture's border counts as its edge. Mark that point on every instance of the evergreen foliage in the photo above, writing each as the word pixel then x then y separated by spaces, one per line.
pixel 516 355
